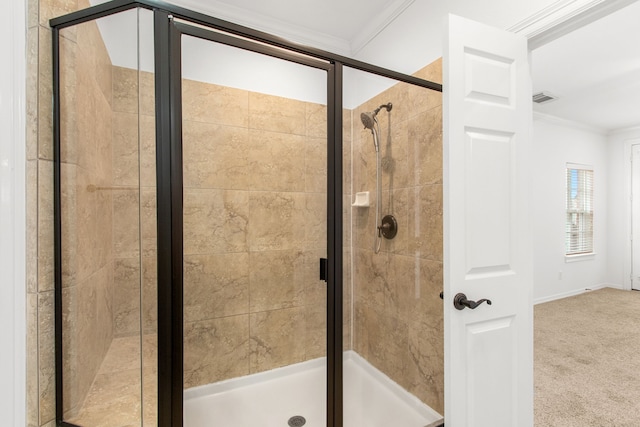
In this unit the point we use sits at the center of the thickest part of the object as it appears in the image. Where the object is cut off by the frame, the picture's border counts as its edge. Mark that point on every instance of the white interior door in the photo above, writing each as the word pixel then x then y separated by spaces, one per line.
pixel 635 215
pixel 488 242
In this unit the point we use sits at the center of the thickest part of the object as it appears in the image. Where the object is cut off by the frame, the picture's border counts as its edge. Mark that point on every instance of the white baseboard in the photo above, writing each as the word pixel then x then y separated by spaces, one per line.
pixel 575 292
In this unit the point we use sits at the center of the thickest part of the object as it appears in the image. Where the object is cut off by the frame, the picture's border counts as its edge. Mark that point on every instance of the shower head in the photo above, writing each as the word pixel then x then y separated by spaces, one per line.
pixel 368 119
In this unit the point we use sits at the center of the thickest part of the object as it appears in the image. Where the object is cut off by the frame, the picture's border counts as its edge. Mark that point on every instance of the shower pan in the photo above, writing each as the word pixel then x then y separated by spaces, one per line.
pixel 206 270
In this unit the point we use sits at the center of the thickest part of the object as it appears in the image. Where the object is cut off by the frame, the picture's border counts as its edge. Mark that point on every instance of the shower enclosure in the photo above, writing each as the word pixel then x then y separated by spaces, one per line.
pixel 213 256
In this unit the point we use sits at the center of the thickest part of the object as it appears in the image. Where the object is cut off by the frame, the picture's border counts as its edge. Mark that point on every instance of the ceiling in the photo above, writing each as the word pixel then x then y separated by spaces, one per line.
pixel 594 71
pixel 339 26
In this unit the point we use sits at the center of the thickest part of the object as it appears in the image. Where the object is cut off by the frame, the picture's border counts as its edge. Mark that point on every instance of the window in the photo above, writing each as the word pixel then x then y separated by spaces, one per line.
pixel 579 222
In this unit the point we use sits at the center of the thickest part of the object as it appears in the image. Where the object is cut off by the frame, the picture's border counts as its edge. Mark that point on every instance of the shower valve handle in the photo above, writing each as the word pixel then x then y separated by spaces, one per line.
pixel 460 301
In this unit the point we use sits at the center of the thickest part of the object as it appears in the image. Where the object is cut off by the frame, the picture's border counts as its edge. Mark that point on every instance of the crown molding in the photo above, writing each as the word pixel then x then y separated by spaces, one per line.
pixel 630 129
pixel 563 17
pixel 268 24
pixel 378 24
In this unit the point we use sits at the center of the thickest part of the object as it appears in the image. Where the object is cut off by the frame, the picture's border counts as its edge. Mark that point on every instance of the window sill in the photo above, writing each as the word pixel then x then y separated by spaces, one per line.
pixel 579 257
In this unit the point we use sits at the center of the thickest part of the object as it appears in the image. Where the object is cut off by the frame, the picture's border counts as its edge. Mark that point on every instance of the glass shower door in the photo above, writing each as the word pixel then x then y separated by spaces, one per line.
pixel 254 141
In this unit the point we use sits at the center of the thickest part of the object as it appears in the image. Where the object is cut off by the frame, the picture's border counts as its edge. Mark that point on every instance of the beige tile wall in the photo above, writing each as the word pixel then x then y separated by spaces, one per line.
pixel 88 280
pixel 254 228
pixel 398 324
pixel 87 267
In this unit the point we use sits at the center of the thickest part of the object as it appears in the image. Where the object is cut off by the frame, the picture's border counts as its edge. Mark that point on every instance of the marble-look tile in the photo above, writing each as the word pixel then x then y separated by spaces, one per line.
pixel 215 221
pixel 149 295
pixel 424 375
pixel 32 374
pixel 315 160
pixel 123 355
pixel 126 304
pixel 68 185
pixel 394 156
pixel 315 333
pixel 87 116
pixel 425 221
pixel 32 226
pixel 431 72
pixel 216 156
pixel 426 305
pixel 425 151
pixel 215 350
pixel 277 280
pixel 125 90
pixel 148 151
pixel 315 220
pixel 32 89
pixel 276 161
pixel 125 149
pixel 215 286
pixel 371 281
pixel 45 225
pixel 148 220
pixel 277 220
pixel 32 13
pixel 92 46
pixel 69 69
pixel 126 240
pixel 276 338
pixel 147 92
pixel 45 95
pixel 204 102
pixel 114 400
pixel 104 143
pixel 103 235
pixel 46 365
pixel 276 114
pixel 70 349
pixel 385 342
pixel 316 119
pixel 53 8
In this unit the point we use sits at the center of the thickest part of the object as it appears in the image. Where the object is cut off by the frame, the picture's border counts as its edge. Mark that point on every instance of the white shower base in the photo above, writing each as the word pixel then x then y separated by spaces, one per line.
pixel 269 399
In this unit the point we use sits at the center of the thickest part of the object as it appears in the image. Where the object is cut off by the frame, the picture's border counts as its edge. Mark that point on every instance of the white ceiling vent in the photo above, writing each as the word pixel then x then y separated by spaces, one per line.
pixel 543 97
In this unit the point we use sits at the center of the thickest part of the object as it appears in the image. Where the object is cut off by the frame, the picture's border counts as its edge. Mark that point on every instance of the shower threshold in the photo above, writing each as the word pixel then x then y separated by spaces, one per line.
pixel 271 398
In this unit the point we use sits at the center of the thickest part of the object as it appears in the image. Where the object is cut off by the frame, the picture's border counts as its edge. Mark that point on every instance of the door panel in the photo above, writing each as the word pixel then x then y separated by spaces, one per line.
pixel 487 116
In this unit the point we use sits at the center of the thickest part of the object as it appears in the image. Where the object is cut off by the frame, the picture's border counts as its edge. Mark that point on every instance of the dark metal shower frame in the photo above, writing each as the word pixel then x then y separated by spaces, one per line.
pixel 168 94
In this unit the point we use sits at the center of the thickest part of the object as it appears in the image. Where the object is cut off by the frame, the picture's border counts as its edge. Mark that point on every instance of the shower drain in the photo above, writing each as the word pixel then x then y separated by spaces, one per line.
pixel 297 421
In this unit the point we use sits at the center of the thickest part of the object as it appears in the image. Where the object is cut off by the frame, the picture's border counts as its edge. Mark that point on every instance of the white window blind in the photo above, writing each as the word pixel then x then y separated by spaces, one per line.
pixel 579 222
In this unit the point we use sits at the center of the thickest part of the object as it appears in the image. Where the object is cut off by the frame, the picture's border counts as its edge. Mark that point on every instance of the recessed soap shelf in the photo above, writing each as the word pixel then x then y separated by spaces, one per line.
pixel 362 200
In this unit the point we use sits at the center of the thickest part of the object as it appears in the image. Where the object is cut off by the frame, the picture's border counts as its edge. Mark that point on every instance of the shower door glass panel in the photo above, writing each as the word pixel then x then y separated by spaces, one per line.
pixel 255 195
pixel 108 220
pixel 393 360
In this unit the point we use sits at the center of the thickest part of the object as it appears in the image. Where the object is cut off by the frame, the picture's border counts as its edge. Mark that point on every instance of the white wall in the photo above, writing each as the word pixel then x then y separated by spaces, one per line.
pixel 12 215
pixel 619 190
pixel 556 143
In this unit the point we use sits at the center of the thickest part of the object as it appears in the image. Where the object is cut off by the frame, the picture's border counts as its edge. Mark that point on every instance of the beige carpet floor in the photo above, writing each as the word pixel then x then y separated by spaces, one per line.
pixel 587 360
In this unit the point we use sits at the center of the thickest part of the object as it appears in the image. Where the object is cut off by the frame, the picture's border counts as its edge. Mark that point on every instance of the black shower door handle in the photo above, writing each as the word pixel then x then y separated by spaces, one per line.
pixel 460 302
